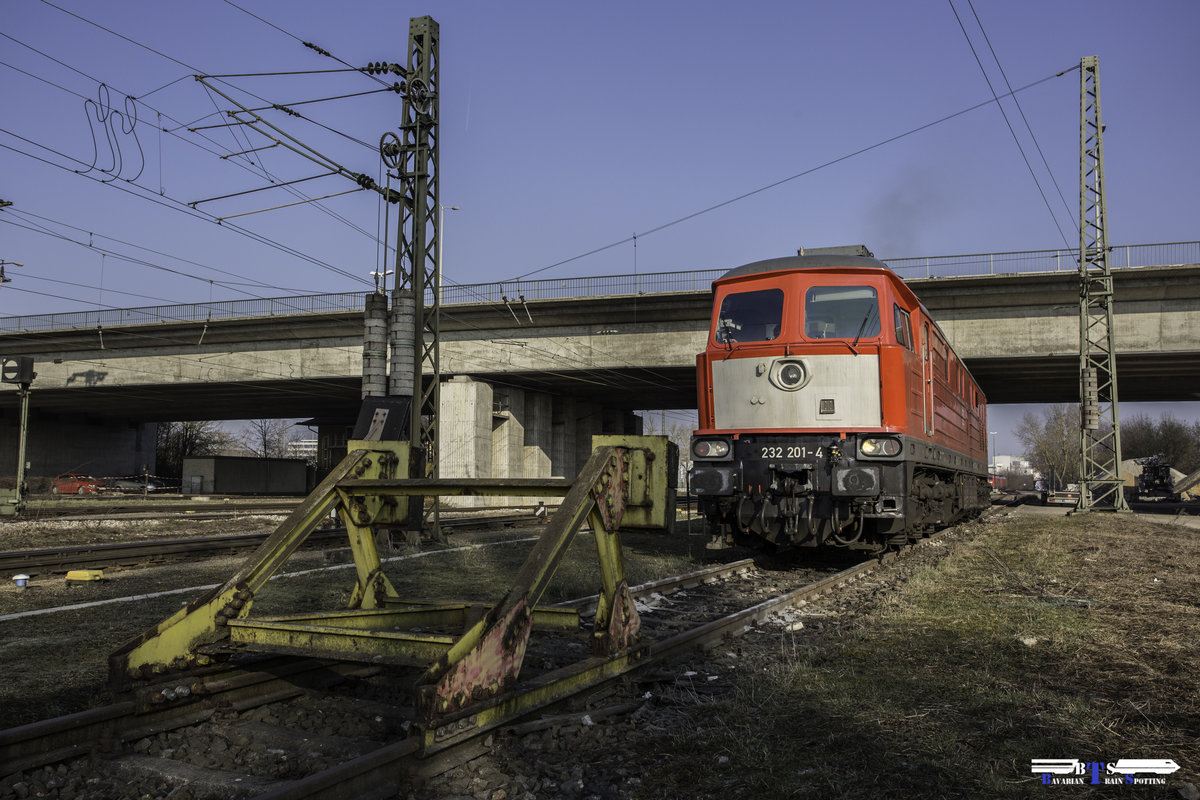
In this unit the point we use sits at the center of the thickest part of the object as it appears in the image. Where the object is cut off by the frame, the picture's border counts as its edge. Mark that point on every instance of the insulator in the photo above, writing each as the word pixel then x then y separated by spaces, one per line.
pixel 375 344
pixel 1090 407
pixel 400 334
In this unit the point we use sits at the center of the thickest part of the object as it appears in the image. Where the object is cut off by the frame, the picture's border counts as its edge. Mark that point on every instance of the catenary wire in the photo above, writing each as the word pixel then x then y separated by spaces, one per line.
pixel 1028 127
pixel 782 181
pixel 36 228
pixel 1008 123
pixel 267 175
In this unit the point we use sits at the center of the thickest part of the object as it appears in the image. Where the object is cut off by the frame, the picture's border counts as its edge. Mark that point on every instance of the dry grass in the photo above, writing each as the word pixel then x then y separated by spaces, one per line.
pixel 1045 638
pixel 30 534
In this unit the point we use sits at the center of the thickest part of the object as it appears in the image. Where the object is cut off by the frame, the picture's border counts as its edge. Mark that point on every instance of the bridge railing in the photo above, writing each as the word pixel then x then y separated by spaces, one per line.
pixel 506 292
pixel 186 312
pixel 598 286
pixel 1024 261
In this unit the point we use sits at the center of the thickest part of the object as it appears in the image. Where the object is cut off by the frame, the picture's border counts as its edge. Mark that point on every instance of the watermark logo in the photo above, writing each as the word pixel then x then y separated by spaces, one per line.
pixel 1123 771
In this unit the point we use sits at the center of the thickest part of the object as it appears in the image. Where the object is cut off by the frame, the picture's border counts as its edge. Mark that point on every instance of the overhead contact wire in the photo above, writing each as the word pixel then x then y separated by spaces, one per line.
pixel 782 181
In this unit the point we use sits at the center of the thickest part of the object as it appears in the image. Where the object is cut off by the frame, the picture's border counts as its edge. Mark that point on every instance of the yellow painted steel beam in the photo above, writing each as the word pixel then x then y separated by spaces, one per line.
pixel 448 615
pixel 173 643
pixel 487 659
pixel 361 513
pixel 329 641
pixel 460 487
pixel 623 483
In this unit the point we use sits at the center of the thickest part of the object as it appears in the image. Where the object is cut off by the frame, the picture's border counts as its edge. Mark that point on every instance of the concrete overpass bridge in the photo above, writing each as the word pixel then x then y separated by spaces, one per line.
pixel 607 345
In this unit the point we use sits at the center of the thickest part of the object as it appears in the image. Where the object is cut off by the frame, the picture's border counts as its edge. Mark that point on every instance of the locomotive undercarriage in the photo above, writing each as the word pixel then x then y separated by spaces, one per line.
pixel 837 501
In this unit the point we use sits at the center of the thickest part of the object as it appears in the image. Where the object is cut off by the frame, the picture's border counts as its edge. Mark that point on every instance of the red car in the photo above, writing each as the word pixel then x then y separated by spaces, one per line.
pixel 75 483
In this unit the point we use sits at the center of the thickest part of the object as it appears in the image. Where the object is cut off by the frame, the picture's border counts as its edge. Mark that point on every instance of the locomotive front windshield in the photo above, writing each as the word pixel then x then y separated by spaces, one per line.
pixel 750 317
pixel 841 312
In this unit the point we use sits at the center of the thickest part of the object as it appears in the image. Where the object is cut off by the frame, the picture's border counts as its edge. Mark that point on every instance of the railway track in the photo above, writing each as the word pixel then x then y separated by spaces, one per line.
pixel 85 509
pixel 318 729
pixel 62 559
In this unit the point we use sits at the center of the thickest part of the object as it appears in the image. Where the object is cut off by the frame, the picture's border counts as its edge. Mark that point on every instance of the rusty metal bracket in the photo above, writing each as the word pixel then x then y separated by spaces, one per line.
pixel 489 667
pixel 617 622
pixel 612 490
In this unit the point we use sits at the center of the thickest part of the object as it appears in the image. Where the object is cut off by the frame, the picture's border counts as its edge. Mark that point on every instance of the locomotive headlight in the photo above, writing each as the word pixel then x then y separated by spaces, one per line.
pixel 879 447
pixel 789 374
pixel 710 448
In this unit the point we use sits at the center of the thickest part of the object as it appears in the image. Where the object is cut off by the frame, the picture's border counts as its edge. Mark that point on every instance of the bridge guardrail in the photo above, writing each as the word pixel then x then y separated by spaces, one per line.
pixel 505 292
pixel 1030 261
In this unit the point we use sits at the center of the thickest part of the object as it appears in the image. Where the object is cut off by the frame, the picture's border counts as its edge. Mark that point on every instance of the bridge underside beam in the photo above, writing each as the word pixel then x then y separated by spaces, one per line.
pixel 1145 377
pixel 1152 377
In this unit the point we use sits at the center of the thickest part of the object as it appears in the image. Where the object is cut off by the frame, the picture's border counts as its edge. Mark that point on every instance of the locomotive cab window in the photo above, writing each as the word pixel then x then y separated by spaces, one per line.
pixel 903 322
pixel 749 317
pixel 841 312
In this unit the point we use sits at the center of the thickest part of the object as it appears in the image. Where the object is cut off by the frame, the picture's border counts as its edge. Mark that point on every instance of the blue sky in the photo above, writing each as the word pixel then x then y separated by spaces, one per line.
pixel 567 127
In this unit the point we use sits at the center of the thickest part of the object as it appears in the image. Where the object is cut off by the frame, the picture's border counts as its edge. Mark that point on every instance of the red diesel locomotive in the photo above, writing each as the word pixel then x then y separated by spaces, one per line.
pixel 832 410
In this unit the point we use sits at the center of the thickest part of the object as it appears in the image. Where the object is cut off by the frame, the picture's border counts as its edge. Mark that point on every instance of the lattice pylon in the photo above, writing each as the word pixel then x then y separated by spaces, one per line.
pixel 1101 484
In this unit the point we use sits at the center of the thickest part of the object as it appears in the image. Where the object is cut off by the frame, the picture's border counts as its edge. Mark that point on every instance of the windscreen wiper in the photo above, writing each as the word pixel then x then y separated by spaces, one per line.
pixel 861 328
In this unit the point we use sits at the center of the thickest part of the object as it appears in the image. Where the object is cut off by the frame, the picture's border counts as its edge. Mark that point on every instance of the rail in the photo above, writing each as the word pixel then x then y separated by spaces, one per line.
pixel 517 291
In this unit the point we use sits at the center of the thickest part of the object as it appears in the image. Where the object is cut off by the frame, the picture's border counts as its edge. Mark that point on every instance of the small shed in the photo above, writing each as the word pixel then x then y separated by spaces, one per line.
pixel 245 475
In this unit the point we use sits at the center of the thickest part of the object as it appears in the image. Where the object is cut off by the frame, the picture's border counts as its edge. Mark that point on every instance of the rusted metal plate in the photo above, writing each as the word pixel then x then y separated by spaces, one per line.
pixel 623 624
pixel 490 667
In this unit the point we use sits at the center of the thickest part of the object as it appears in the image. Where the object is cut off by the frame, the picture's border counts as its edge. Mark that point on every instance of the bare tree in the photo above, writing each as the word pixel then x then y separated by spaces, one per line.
pixel 1052 443
pixel 1176 441
pixel 179 440
pixel 266 438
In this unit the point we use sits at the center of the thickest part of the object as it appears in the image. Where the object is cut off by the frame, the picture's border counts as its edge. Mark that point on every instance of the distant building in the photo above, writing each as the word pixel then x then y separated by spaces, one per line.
pixel 242 475
pixel 302 448
pixel 1021 466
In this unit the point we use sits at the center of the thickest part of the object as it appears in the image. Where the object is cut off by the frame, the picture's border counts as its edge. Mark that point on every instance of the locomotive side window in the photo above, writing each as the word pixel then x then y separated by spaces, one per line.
pixel 841 312
pixel 903 327
pixel 749 317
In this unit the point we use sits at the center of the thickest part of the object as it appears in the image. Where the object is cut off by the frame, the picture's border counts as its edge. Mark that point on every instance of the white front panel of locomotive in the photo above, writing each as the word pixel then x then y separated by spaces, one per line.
pixel 845 387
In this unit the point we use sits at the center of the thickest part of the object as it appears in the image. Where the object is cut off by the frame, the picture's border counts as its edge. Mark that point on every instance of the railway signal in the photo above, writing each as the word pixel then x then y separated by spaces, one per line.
pixel 18 370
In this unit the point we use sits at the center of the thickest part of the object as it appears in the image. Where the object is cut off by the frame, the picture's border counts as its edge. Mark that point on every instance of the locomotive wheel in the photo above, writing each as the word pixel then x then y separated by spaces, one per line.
pixel 743 514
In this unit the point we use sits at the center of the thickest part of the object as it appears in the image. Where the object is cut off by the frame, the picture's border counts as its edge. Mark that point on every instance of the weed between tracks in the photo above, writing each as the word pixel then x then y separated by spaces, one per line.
pixel 1048 638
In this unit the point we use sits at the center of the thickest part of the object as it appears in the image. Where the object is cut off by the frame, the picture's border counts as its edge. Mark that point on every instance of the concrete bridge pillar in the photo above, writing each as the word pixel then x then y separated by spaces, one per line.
pixel 503 432
pixel 465 434
pixel 589 420
pixel 562 438
pixel 508 438
pixel 508 433
pixel 621 422
pixel 539 443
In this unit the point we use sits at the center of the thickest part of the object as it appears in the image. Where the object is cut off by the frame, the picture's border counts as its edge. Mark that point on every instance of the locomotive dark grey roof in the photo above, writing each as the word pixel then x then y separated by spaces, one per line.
pixel 823 261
